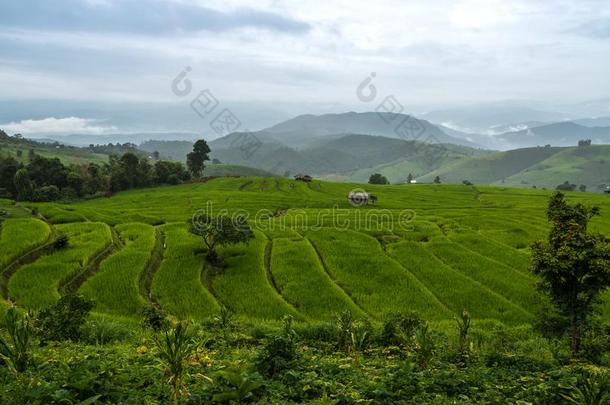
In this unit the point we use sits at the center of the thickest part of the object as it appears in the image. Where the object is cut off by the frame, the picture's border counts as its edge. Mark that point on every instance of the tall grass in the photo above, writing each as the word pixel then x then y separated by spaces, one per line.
pixel 115 286
pixel 511 257
pixel 177 284
pixel 508 282
pixel 17 236
pixel 244 286
pixel 374 281
pixel 300 277
pixel 453 288
pixel 36 285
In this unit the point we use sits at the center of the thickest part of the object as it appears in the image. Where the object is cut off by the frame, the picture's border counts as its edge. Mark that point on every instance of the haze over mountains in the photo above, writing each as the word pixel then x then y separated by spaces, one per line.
pixel 350 146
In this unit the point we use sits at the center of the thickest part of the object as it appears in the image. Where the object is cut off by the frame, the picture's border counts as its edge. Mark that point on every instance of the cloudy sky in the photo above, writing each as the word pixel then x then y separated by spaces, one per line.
pixel 298 55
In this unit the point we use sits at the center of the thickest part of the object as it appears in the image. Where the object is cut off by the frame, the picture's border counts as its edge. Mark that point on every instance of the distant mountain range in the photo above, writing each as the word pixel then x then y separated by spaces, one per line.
pixel 557 134
pixel 351 146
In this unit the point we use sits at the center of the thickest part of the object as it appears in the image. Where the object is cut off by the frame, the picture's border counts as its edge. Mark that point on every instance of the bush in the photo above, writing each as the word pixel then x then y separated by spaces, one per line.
pixel 65 320
pixel 280 353
pixel 61 242
pixel 154 318
pixel 399 328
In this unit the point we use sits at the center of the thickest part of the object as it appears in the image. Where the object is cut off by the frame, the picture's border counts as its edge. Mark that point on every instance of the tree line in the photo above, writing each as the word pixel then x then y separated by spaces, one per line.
pixel 48 179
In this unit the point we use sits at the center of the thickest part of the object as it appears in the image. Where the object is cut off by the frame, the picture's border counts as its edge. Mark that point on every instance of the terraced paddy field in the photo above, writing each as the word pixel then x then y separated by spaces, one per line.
pixel 434 249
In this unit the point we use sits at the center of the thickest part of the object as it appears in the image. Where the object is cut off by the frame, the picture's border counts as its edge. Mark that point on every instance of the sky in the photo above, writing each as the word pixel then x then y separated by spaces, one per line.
pixel 296 56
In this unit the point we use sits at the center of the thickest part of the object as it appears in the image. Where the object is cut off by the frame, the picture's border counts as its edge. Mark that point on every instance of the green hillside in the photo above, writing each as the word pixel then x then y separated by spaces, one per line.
pixel 586 165
pixel 67 154
pixel 402 253
pixel 540 167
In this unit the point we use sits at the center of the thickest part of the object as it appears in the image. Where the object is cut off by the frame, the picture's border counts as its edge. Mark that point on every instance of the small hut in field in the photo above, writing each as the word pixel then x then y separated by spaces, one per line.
pixel 303 177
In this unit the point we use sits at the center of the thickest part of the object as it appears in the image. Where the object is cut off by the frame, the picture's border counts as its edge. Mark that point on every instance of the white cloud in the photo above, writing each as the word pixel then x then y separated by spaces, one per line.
pixel 52 125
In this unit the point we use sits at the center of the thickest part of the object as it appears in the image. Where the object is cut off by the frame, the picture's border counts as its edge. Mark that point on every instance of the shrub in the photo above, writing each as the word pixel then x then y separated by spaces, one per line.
pixel 280 353
pixel 61 242
pixel 399 328
pixel 154 318
pixel 64 320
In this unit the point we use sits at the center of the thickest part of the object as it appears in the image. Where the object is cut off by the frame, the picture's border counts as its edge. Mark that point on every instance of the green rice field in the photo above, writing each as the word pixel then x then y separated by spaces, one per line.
pixel 433 249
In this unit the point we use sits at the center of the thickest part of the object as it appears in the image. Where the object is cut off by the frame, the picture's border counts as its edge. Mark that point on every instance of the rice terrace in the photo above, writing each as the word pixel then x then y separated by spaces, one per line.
pixel 304 202
pixel 460 247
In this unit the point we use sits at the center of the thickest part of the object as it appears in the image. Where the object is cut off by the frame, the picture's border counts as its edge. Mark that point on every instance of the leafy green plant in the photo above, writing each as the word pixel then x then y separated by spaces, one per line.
pixel 345 324
pixel 175 348
pixel 359 340
pixel 573 264
pixel 463 325
pixel 240 385
pixel 591 389
pixel 425 345
pixel 16 350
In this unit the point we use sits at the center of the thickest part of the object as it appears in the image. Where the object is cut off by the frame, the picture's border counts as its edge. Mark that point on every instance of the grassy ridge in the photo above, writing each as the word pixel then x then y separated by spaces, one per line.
pixel 453 288
pixel 17 236
pixel 373 280
pixel 505 281
pixel 36 285
pixel 115 287
pixel 177 283
pixel 304 283
pixel 517 259
pixel 244 286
